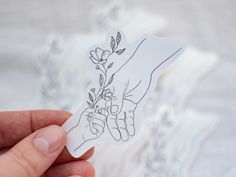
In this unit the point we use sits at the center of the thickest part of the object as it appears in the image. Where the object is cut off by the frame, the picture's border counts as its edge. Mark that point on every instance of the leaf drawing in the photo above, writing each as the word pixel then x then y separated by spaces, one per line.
pixel 112 44
pixel 93 89
pixel 101 80
pixel 119 52
pixel 90 104
pixel 91 97
pixel 118 38
pixel 110 65
pixel 111 79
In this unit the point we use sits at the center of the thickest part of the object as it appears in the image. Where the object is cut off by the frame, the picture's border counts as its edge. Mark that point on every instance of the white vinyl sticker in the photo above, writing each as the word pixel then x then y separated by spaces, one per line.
pixel 124 75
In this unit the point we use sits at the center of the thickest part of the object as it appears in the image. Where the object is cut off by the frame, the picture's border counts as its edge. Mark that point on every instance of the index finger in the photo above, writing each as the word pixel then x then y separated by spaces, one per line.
pixel 16 125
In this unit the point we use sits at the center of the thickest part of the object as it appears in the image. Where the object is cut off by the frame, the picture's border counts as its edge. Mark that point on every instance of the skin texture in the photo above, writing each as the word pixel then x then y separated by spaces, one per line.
pixel 19 128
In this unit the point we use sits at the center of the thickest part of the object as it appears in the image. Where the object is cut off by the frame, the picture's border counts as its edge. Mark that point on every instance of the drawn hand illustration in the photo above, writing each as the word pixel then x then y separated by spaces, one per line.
pixel 90 126
pixel 122 125
pixel 122 85
pixel 131 83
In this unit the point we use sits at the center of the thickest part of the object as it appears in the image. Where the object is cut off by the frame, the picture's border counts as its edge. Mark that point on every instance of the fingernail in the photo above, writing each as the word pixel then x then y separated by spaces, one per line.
pixel 49 139
pixel 114 108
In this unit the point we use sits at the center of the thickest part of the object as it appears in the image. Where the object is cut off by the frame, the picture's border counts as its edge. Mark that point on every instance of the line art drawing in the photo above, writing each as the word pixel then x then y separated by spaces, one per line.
pixel 119 88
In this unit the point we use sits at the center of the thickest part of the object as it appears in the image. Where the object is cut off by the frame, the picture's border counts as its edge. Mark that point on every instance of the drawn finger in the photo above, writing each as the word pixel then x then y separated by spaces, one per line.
pixel 117 101
pixel 97 121
pixel 92 129
pixel 99 129
pixel 130 122
pixel 113 128
pixel 130 115
pixel 100 117
pixel 103 112
pixel 122 126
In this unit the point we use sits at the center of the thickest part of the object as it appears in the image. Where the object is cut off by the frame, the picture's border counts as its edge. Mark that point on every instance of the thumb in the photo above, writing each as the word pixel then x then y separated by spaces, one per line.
pixel 117 101
pixel 32 156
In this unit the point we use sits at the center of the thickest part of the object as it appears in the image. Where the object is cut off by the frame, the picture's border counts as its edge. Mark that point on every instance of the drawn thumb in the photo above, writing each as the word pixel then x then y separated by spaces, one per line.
pixel 32 156
pixel 117 102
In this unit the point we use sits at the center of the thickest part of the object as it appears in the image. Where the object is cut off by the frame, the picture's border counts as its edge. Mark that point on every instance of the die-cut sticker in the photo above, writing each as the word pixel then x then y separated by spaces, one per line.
pixel 124 75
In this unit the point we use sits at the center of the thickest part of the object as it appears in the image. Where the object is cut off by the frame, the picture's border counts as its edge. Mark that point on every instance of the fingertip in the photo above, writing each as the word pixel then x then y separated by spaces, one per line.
pixel 114 109
pixel 124 134
pixel 49 139
pixel 36 153
pixel 116 134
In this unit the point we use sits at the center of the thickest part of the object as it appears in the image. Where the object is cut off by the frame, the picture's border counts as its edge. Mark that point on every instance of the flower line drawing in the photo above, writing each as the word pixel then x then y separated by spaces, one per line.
pixel 95 115
pixel 100 58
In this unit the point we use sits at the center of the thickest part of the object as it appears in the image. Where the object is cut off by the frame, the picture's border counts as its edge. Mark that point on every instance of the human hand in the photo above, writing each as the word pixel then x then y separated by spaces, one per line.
pixel 32 145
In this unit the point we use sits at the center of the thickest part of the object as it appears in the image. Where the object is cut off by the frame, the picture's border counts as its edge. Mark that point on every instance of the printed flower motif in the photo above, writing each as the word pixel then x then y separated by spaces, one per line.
pixel 99 56
pixel 107 94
